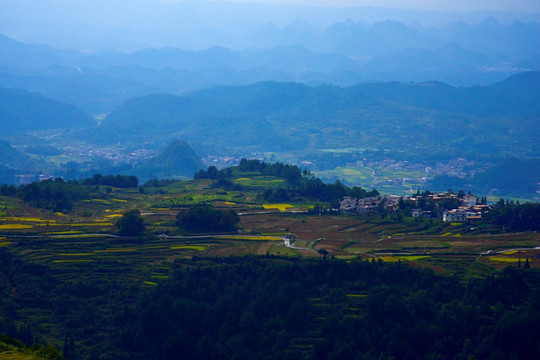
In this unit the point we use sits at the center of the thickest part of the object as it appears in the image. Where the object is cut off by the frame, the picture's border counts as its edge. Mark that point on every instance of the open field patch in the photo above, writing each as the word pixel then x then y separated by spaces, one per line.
pixel 509 252
pixel 280 207
pixel 504 259
pixel 92 224
pixel 413 257
pixel 421 244
pixel 26 219
pixel 260 182
pixel 356 295
pixel 15 226
pixel 75 236
pixel 281 250
pixel 116 250
pixel 99 201
pixel 250 237
pixel 14 355
pixel 68 232
pixel 188 247
pixel 77 254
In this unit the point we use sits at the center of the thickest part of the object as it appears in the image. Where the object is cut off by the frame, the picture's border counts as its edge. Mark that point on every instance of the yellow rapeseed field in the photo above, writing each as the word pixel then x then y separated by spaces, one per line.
pixel 188 247
pixel 510 252
pixel 15 227
pixel 280 207
pixel 98 201
pixel 26 219
pixel 93 224
pixel 503 259
pixel 74 236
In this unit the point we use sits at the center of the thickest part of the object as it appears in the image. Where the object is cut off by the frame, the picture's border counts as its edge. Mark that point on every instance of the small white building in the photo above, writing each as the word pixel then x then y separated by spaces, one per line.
pixel 455 215
pixel 347 205
pixel 470 200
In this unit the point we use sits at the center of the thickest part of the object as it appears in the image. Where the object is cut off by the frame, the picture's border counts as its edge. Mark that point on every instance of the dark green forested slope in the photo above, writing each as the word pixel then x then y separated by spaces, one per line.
pixel 274 308
pixel 252 308
pixel 23 111
pixel 178 158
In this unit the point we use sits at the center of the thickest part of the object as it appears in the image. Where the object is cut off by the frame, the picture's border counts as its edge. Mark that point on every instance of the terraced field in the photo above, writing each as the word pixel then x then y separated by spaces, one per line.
pixel 84 238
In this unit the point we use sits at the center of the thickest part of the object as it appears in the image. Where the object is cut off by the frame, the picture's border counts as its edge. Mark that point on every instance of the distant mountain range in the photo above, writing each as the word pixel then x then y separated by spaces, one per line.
pixel 418 118
pixel 110 24
pixel 271 116
pixel 414 122
pixel 344 54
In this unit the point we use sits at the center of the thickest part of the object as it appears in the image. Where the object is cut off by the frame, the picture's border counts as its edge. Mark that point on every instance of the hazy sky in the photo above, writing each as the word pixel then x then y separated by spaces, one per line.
pixel 441 5
pixel 133 24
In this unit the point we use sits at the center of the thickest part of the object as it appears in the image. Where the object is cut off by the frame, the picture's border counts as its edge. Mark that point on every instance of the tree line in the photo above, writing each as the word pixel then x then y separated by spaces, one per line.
pixel 59 195
pixel 515 216
pixel 299 183
pixel 119 181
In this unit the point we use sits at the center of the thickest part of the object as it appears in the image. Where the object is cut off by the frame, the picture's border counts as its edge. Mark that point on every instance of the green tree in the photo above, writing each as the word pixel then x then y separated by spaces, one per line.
pixel 381 210
pixel 205 218
pixel 131 224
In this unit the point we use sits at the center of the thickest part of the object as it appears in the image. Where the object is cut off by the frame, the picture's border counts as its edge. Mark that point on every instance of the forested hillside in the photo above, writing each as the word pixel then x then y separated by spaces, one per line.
pixel 430 118
pixel 272 308
pixel 22 111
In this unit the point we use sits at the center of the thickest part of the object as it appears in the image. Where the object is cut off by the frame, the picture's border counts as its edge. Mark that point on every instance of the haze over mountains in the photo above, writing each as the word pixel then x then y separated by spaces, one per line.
pixel 262 79
pixel 273 116
pixel 22 111
pixel 415 122
pixel 192 47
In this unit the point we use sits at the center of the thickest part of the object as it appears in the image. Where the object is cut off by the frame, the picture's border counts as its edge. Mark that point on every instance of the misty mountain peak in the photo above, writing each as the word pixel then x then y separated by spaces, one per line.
pixel 492 23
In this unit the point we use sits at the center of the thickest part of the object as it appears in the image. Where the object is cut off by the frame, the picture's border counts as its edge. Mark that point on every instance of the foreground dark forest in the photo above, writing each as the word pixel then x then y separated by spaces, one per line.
pixel 105 268
pixel 276 308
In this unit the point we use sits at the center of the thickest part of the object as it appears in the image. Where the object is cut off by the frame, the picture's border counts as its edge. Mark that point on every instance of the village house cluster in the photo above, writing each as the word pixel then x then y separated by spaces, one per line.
pixel 463 207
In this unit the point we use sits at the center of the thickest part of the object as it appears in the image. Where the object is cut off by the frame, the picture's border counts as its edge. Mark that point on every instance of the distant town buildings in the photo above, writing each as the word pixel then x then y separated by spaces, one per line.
pixel 447 206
